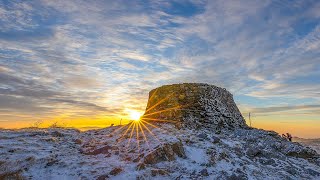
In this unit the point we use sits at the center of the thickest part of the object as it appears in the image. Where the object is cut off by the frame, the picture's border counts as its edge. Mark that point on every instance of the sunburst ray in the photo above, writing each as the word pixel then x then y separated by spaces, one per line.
pixel 126 131
pixel 152 134
pixel 164 110
pixel 159 120
pixel 137 135
pixel 143 134
pixel 154 126
pixel 153 94
pixel 131 133
pixel 118 129
pixel 159 102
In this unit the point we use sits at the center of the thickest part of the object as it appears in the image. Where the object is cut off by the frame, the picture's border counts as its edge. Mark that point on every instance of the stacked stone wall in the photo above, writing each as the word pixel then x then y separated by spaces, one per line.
pixel 193 104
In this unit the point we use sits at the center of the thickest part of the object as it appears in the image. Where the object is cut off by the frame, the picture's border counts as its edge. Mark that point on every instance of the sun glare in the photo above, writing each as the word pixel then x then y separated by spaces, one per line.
pixel 135 115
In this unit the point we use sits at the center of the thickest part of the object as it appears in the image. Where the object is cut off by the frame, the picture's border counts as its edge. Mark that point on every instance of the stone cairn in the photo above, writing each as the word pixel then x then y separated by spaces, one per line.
pixel 193 105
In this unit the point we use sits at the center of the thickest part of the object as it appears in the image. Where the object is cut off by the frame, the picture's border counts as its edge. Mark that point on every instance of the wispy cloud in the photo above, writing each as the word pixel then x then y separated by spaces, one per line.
pixel 284 108
pixel 104 56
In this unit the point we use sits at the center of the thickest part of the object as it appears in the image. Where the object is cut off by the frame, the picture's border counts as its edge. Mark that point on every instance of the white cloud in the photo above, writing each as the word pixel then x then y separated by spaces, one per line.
pixel 125 54
pixel 102 50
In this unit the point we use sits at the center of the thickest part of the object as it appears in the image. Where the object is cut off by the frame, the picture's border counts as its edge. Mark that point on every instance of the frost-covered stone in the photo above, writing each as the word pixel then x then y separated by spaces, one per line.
pixel 204 172
pixel 165 152
pixel 35 158
pixel 156 172
pixel 116 171
pixel 253 152
pixel 194 105
pixel 101 150
pixel 296 150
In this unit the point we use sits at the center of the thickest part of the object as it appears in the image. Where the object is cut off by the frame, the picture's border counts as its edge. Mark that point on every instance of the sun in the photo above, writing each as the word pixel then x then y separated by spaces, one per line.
pixel 135 115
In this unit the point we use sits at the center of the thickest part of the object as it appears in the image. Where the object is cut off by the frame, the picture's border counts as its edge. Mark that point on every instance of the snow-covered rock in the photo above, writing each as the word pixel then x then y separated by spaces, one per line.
pixel 163 152
pixel 314 143
pixel 194 105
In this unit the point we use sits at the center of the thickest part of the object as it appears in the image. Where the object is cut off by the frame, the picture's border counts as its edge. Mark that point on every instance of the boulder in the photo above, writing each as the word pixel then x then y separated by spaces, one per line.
pixel 156 172
pixel 103 177
pixel 165 152
pixel 101 150
pixel 116 171
pixel 78 141
pixel 253 152
pixel 57 134
pixel 204 172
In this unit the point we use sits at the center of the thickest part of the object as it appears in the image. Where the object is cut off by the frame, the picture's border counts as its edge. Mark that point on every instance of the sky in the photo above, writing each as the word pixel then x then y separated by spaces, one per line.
pixel 90 63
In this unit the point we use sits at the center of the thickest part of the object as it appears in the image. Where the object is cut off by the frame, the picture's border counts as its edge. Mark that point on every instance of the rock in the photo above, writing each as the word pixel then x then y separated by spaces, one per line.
pixel 265 161
pixel 204 172
pixel 14 169
pixel 78 141
pixel 215 139
pixel 156 172
pixel 165 152
pixel 313 172
pixel 297 150
pixel 116 171
pixel 57 134
pixel 178 149
pixel 13 175
pixel 102 150
pixel 30 158
pixel 136 159
pixel 202 136
pixel 213 158
pixel 178 125
pixel 103 177
pixel 51 162
pixel 38 133
pixel 141 166
pixel 127 158
pixel 51 139
pixel 237 177
pixel 223 155
pixel 12 150
pixel 291 170
pixel 253 152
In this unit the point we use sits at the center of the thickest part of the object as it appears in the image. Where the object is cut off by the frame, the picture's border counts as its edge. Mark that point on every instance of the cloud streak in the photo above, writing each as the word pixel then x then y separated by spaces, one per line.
pixel 104 56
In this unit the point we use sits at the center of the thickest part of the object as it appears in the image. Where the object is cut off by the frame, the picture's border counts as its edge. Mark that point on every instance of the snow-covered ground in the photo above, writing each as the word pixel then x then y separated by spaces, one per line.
pixel 163 153
pixel 313 143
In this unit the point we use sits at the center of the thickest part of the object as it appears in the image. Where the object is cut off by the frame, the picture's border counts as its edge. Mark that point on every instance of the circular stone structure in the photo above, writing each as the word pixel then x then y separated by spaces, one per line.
pixel 193 105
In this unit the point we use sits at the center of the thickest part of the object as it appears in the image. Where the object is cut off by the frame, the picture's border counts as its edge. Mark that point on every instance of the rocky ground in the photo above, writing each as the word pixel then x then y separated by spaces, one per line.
pixel 313 143
pixel 163 153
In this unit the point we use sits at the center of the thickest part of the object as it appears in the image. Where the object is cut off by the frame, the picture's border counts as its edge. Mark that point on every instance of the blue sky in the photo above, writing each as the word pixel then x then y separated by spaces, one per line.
pixel 102 57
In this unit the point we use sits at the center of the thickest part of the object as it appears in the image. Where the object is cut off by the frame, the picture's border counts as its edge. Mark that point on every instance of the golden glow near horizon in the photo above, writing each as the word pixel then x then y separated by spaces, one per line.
pixel 298 124
pixel 301 126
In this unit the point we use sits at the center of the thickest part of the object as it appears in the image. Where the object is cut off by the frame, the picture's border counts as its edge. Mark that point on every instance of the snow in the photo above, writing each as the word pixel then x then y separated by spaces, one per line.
pixel 65 154
pixel 197 155
pixel 313 143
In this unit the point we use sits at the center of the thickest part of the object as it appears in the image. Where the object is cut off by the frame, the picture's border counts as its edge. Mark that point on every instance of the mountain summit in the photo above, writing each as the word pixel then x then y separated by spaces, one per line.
pixel 189 131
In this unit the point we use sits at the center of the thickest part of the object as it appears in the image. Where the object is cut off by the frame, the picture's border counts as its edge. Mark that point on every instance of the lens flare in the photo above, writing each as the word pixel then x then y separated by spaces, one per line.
pixel 135 115
pixel 141 124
